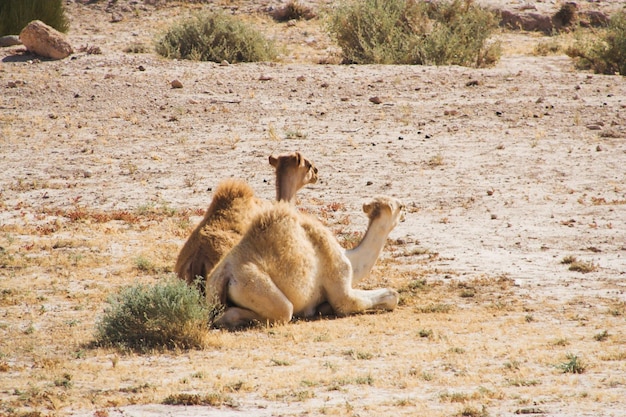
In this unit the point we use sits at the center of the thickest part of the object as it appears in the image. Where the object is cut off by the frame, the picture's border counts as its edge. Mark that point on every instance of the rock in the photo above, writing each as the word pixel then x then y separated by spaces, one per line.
pixel 526 21
pixel 376 100
pixel 176 84
pixel 46 41
pixel 9 40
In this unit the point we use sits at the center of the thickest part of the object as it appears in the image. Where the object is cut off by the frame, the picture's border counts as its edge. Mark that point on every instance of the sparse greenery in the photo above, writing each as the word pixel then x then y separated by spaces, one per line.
pixel 602 51
pixel 579 266
pixel 169 314
pixel 573 365
pixel 215 36
pixel 602 336
pixel 549 47
pixel 584 267
pixel 469 411
pixel 16 14
pixel 212 399
pixel 415 32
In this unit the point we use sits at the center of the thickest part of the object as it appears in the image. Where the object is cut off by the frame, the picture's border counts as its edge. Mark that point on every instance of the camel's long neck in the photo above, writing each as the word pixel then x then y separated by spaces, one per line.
pixel 364 256
pixel 286 190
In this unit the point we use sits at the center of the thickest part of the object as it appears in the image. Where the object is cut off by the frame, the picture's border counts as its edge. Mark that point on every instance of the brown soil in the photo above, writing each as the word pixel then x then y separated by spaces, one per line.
pixel 505 171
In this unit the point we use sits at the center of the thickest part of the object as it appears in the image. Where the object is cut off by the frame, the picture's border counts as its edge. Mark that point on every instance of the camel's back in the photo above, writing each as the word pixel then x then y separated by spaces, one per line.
pixel 227 218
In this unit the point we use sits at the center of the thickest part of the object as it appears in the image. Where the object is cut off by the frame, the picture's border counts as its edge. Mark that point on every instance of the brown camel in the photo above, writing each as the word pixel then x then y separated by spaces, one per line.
pixel 230 213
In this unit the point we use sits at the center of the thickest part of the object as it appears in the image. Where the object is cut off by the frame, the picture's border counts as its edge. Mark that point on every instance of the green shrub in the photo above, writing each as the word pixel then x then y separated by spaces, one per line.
pixel 603 51
pixel 414 32
pixel 215 36
pixel 169 314
pixel 16 14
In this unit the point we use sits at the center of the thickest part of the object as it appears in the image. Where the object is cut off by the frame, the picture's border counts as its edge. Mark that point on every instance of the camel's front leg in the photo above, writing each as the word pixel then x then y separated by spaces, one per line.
pixel 345 300
pixel 255 297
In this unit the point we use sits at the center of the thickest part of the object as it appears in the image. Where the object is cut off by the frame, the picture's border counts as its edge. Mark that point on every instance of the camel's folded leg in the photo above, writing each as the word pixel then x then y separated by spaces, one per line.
pixel 255 297
pixel 354 301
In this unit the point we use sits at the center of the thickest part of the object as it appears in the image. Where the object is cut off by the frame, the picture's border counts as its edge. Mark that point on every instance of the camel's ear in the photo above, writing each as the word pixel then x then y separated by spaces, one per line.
pixel 273 161
pixel 300 159
pixel 367 208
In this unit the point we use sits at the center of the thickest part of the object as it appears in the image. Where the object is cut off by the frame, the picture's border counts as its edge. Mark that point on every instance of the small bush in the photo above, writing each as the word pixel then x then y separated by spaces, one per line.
pixel 550 47
pixel 169 314
pixel 292 11
pixel 573 365
pixel 214 36
pixel 16 14
pixel 603 51
pixel 414 32
pixel 566 16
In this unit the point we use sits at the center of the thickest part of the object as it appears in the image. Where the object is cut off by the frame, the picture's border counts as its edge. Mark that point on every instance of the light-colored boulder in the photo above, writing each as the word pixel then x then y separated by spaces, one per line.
pixel 45 41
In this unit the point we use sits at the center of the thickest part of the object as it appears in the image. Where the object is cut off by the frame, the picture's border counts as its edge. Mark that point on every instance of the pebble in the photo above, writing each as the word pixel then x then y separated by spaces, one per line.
pixel 376 100
pixel 176 84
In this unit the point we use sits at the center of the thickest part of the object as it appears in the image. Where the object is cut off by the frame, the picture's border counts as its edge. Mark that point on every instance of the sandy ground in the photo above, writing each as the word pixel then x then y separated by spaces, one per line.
pixel 505 171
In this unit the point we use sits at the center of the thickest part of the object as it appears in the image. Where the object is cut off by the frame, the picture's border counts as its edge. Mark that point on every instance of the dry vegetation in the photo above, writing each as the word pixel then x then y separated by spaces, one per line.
pixel 131 166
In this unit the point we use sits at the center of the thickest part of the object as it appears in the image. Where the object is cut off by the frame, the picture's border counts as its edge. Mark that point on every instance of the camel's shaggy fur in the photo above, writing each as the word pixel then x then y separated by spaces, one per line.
pixel 288 264
pixel 232 209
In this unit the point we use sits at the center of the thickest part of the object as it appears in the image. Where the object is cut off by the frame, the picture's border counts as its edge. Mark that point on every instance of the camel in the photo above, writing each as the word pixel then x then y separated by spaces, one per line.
pixel 231 211
pixel 288 264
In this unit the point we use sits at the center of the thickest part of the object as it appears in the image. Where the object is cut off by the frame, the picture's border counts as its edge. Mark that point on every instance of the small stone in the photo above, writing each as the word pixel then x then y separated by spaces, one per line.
pixel 265 78
pixel 472 83
pixel 594 127
pixel 224 63
pixel 490 191
pixel 450 112
pixel 598 148
pixel 176 84
pixel 301 78
pixel 116 17
pixel 369 183
pixel 141 68
pixel 376 100
pixel 494 217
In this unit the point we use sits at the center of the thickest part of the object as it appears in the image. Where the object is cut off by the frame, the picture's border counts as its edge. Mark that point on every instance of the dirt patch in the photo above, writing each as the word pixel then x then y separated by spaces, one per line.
pixel 506 172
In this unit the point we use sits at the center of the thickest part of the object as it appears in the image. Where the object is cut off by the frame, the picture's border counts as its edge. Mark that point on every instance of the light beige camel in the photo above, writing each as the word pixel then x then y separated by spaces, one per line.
pixel 288 264
pixel 231 211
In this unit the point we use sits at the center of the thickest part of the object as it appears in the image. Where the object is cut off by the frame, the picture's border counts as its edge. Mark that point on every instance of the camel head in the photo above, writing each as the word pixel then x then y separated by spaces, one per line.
pixel 386 210
pixel 293 171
